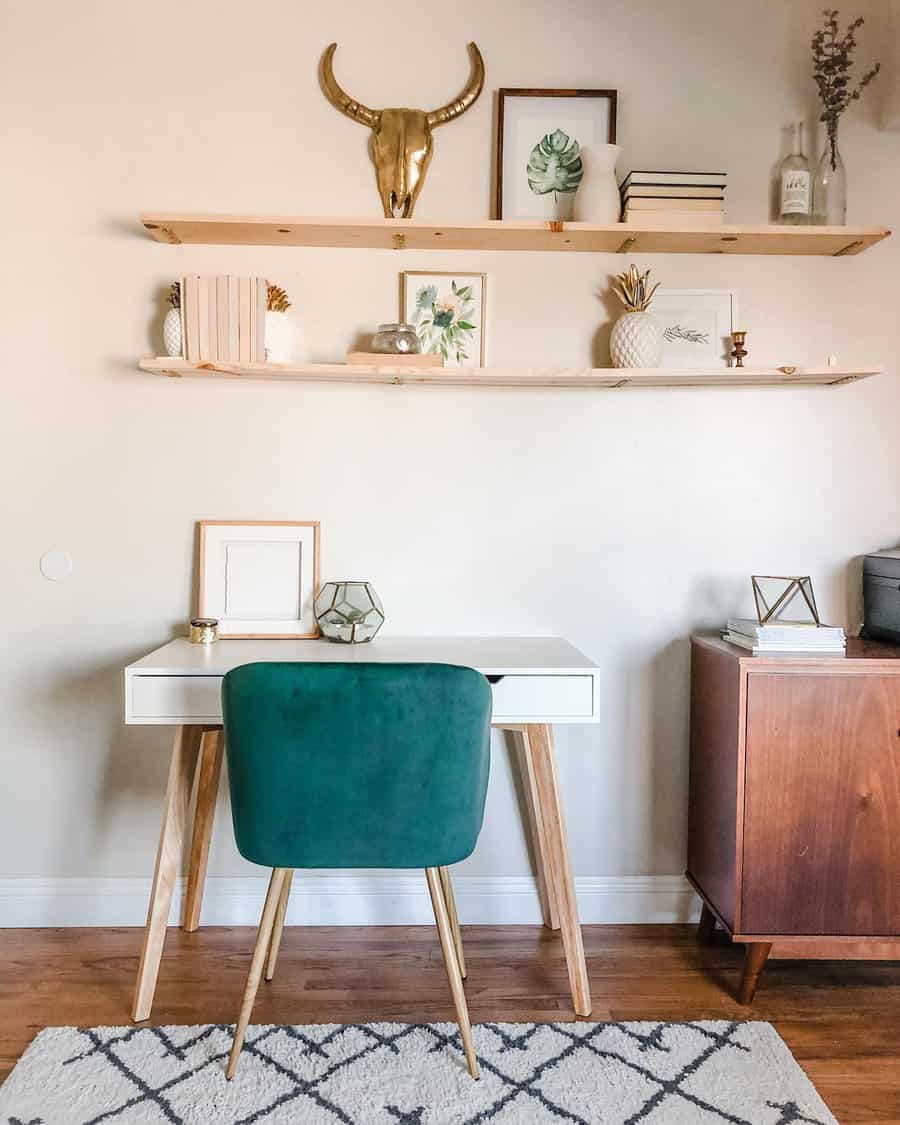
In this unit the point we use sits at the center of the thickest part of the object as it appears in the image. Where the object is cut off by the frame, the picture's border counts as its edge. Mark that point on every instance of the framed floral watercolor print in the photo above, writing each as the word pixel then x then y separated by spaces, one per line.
pixel 539 137
pixel 447 311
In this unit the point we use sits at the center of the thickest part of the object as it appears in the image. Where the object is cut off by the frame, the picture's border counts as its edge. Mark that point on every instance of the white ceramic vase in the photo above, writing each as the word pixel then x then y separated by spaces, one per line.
pixel 555 205
pixel 597 199
pixel 636 341
pixel 172 342
pixel 278 337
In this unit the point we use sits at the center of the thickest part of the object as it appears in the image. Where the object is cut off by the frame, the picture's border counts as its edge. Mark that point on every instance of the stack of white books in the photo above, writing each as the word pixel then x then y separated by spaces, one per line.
pixel 679 199
pixel 785 636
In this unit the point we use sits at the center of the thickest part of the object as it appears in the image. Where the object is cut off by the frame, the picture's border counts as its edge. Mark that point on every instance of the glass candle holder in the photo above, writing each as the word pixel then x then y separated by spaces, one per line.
pixel 204 630
pixel 396 339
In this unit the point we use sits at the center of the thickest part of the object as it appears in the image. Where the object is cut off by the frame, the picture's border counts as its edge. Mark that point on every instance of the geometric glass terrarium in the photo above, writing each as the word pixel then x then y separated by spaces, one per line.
pixel 349 612
pixel 774 593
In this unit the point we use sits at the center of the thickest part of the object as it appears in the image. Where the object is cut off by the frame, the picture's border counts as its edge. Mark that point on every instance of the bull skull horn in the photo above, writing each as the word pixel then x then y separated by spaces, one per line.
pixel 401 144
pixel 470 92
pixel 341 100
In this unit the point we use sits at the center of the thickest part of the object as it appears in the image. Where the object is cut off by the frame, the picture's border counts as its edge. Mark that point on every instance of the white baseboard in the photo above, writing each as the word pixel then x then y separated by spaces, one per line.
pixel 344 900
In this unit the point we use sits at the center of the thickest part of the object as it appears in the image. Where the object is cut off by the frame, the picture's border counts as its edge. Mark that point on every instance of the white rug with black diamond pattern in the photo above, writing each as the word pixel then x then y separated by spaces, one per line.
pixel 413 1074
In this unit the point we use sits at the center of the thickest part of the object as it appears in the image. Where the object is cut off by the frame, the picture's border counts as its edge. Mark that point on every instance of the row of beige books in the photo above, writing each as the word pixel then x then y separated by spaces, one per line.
pixel 223 318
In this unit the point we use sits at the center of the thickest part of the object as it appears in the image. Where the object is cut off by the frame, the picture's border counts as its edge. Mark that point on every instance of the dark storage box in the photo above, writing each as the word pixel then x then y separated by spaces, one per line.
pixel 881 596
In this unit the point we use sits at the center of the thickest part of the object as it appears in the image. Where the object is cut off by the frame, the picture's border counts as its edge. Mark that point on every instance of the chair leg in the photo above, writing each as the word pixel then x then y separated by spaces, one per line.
pixel 450 900
pixel 445 933
pixel 275 943
pixel 276 882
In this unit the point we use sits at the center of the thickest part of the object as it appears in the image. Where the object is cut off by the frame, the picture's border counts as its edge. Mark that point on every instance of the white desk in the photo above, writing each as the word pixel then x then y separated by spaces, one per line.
pixel 536 682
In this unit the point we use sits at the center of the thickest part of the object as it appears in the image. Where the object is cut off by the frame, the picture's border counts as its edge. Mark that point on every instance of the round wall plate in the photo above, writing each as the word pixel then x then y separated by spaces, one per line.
pixel 56 565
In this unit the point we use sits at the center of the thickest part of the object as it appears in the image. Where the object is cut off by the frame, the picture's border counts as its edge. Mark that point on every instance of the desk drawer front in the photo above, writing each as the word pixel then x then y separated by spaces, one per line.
pixel 178 699
pixel 186 699
pixel 543 697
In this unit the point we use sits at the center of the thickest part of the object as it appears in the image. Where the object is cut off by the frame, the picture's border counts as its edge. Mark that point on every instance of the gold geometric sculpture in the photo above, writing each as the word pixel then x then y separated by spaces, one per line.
pixel 773 593
pixel 401 138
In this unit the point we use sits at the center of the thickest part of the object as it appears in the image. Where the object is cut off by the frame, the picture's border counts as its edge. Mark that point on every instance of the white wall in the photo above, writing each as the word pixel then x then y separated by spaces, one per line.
pixel 619 520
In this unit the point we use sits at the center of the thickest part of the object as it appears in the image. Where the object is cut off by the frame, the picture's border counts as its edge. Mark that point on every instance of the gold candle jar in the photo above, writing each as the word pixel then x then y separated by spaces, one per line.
pixel 204 630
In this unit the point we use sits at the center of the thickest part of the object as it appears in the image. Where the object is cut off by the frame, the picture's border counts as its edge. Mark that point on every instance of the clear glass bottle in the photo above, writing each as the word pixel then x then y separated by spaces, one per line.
pixel 795 184
pixel 830 188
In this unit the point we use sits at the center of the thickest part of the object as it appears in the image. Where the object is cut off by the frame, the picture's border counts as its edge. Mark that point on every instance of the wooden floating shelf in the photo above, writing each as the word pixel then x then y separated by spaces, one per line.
pixel 492 234
pixel 609 378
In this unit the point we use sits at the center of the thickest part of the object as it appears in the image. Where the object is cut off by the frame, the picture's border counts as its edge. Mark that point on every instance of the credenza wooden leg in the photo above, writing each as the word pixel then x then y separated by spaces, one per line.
pixel 209 770
pixel 543 873
pixel 706 927
pixel 754 960
pixel 168 858
pixel 543 757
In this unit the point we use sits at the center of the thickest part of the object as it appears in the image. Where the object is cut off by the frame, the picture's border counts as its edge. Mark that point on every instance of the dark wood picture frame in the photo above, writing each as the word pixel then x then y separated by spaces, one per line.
pixel 528 92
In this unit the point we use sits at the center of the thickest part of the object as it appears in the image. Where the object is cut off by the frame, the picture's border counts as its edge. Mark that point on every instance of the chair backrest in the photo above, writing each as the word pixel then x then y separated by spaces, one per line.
pixel 356 765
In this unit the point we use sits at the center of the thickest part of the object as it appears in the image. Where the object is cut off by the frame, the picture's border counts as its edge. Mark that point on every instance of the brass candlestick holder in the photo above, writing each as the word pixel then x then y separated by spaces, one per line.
pixel 739 350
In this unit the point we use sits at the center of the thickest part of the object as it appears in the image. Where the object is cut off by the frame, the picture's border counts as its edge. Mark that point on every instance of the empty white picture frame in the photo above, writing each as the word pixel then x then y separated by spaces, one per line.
pixel 259 578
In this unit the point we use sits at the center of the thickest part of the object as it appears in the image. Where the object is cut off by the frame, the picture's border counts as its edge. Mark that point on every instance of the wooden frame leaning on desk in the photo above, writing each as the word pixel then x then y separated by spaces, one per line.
pixel 536 682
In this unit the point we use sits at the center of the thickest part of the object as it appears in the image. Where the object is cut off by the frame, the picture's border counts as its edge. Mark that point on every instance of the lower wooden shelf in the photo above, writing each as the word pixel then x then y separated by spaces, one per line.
pixel 608 378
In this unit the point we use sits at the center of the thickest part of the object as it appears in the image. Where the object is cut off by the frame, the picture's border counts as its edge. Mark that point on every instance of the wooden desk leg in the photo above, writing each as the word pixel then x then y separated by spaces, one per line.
pixel 546 890
pixel 209 769
pixel 754 960
pixel 168 857
pixel 543 755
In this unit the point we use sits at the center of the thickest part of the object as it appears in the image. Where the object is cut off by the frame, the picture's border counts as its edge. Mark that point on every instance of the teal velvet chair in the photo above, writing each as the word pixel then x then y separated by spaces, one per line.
pixel 340 765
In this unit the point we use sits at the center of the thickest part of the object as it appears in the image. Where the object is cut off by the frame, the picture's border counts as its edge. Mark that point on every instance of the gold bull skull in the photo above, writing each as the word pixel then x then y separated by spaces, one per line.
pixel 401 138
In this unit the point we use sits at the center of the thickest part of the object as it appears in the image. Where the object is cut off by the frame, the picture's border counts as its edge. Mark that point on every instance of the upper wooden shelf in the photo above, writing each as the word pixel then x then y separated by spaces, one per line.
pixel 492 234
pixel 610 378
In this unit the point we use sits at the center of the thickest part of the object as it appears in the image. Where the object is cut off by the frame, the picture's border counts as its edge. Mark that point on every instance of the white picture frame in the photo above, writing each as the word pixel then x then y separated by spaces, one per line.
pixel 461 297
pixel 259 578
pixel 696 326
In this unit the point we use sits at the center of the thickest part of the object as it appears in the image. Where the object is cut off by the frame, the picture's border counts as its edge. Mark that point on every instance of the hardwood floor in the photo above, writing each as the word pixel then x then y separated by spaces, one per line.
pixel 841 1019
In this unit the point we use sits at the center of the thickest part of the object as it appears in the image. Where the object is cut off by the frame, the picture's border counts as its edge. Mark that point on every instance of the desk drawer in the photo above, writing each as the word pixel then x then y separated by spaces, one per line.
pixel 176 699
pixel 186 699
pixel 542 698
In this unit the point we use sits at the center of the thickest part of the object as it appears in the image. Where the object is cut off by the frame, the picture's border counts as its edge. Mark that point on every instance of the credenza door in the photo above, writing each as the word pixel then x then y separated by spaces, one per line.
pixel 821 815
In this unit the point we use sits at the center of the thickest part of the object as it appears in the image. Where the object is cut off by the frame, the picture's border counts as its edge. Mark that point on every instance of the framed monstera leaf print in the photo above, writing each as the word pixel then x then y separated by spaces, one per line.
pixel 540 135
pixel 447 311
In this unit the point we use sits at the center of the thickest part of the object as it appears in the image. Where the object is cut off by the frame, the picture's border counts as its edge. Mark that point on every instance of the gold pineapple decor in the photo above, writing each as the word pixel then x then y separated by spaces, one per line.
pixel 631 289
pixel 276 298
pixel 636 339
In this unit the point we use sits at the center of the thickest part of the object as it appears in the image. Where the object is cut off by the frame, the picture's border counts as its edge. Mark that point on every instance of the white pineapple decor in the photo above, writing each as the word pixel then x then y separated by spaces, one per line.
pixel 172 341
pixel 278 327
pixel 637 339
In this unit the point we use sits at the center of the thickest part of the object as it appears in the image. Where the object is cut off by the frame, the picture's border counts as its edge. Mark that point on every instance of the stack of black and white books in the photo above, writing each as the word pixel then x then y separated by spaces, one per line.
pixel 786 637
pixel 679 199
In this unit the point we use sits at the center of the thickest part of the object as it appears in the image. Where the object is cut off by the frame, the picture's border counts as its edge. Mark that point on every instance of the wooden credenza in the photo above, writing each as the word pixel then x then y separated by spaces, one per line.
pixel 794 820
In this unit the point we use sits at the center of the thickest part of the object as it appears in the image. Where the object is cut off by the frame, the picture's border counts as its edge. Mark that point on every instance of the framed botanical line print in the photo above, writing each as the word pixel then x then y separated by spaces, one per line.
pixel 696 326
pixel 539 136
pixel 447 311
pixel 259 578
